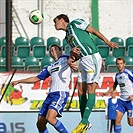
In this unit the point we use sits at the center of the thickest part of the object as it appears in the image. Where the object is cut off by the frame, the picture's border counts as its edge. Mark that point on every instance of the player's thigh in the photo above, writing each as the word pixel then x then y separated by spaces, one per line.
pixel 43 110
pixel 86 69
pixel 89 68
pixel 130 119
pixel 93 77
pixel 58 102
pixel 120 110
pixel 129 112
pixel 119 116
pixel 91 87
pixel 81 74
pixel 82 87
pixel 51 116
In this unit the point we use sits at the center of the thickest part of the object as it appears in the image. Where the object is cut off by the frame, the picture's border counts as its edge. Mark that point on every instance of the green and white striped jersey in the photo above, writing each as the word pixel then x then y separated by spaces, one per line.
pixel 76 35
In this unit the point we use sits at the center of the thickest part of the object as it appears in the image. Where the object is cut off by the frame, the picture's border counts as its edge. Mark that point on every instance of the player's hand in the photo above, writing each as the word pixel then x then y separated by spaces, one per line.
pixel 130 98
pixel 75 53
pixel 71 63
pixel 113 45
pixel 14 83
pixel 76 50
pixel 103 94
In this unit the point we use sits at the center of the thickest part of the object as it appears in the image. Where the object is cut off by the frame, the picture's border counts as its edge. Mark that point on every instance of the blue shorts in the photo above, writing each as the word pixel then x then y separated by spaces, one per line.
pixel 124 106
pixel 54 100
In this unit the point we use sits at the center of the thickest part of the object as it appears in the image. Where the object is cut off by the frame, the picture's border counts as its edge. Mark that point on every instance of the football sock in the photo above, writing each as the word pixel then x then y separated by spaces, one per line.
pixel 82 103
pixel 89 107
pixel 118 129
pixel 60 127
pixel 44 131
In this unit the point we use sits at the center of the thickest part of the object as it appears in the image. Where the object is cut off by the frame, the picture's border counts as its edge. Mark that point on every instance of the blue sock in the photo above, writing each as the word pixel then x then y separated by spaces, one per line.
pixel 60 127
pixel 44 131
pixel 118 129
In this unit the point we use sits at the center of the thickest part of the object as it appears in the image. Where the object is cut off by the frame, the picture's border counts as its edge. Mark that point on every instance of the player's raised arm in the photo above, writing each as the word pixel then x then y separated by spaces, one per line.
pixel 92 30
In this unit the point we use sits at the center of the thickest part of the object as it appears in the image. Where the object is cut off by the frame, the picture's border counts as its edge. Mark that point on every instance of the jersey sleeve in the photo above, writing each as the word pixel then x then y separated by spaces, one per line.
pixel 115 83
pixel 43 74
pixel 65 55
pixel 130 75
pixel 80 23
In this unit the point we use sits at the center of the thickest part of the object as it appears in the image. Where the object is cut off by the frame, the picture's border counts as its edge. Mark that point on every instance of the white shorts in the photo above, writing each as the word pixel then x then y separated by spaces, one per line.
pixel 89 68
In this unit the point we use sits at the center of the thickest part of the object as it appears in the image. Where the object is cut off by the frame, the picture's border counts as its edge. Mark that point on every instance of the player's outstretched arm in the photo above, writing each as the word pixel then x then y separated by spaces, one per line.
pixel 27 81
pixel 92 30
pixel 109 91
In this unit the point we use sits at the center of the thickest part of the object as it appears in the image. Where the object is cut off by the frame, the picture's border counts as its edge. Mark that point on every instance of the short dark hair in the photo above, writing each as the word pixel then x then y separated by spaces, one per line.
pixel 120 58
pixel 65 17
pixel 60 49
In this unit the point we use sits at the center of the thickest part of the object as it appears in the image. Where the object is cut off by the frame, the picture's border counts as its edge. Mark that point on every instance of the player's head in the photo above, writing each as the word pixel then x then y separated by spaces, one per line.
pixel 55 51
pixel 61 22
pixel 120 63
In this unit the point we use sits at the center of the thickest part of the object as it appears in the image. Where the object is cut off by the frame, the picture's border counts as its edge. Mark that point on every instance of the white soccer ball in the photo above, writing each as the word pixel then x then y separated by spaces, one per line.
pixel 36 16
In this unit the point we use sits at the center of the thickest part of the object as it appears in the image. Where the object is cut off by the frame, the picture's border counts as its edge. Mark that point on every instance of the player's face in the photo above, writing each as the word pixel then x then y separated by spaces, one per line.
pixel 55 52
pixel 120 65
pixel 58 24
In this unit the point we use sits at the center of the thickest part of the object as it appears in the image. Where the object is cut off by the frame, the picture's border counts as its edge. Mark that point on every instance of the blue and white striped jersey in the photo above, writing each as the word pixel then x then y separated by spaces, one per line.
pixel 125 81
pixel 60 73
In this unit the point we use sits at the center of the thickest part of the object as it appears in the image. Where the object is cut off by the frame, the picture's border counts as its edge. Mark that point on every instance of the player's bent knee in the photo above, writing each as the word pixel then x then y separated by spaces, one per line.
pixel 51 120
pixel 80 93
pixel 40 125
pixel 118 121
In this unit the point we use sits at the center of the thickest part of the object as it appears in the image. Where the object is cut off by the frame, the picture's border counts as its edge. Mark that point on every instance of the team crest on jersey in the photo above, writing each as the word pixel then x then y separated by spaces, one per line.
pixel 53 103
pixel 70 39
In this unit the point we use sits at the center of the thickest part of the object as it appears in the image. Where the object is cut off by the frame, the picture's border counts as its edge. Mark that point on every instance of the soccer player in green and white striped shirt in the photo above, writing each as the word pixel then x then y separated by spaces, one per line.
pixel 78 36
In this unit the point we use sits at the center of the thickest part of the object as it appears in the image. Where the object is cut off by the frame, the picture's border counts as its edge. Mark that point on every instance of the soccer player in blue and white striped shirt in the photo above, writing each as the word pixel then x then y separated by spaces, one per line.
pixel 54 103
pixel 124 78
